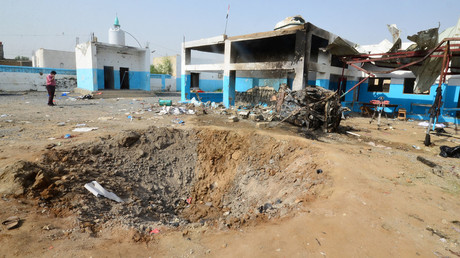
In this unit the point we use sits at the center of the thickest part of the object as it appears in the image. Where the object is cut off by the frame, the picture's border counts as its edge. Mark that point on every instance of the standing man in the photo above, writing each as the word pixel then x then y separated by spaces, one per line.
pixel 51 87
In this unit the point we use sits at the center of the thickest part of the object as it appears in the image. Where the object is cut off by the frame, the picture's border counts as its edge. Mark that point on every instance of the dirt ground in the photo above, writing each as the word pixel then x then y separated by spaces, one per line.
pixel 200 185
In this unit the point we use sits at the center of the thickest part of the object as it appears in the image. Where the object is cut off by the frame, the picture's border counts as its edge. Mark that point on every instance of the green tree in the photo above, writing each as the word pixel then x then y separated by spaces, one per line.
pixel 21 58
pixel 165 67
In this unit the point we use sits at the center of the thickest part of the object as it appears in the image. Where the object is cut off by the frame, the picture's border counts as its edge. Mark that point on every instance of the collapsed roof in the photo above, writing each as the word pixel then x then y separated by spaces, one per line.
pixel 426 42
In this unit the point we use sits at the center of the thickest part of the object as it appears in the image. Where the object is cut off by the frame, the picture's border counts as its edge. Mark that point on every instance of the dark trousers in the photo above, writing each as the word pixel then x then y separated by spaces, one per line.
pixel 51 89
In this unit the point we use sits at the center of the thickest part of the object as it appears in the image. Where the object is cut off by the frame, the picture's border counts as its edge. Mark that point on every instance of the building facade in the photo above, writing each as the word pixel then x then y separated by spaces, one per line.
pixel 112 66
pixel 47 58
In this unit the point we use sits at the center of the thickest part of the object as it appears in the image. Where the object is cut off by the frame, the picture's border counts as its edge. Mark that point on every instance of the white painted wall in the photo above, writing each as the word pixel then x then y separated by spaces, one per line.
pixel 133 58
pixel 85 55
pixel 17 81
pixel 54 59
pixel 155 84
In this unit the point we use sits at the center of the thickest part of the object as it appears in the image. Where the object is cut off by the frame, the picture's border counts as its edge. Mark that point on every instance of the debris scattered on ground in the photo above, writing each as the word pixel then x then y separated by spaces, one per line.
pixel 450 152
pixel 425 124
pixel 96 189
pixel 437 232
pixel 436 169
pixel 355 134
pixel 11 222
pixel 85 129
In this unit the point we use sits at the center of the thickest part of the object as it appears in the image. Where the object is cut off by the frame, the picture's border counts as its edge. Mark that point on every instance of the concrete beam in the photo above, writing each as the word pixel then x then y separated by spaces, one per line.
pixel 263 66
pixel 205 42
pixel 205 68
pixel 267 34
pixel 322 68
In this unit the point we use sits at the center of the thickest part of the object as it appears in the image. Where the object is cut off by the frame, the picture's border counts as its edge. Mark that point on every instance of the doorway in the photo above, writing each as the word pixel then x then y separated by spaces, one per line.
pixel 124 78
pixel 195 80
pixel 108 78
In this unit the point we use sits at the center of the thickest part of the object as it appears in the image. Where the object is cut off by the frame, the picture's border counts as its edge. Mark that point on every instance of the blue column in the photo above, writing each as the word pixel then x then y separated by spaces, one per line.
pixel 229 89
pixel 163 82
pixel 185 87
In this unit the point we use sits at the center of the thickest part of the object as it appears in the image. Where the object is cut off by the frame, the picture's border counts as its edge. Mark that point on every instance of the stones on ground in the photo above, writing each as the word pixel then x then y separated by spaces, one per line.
pixel 127 139
pixel 233 119
pixel 262 125
pixel 11 222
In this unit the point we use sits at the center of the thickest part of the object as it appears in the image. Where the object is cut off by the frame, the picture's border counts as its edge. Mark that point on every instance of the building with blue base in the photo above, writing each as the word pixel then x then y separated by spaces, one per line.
pixel 112 66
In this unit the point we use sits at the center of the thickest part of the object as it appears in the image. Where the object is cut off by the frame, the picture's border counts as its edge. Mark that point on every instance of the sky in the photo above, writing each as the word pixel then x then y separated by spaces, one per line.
pixel 27 25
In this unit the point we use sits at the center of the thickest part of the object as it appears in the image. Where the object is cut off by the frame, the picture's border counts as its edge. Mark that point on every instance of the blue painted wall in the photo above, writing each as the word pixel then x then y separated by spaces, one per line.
pixel 450 95
pixel 26 69
pixel 210 85
pixel 87 79
pixel 93 79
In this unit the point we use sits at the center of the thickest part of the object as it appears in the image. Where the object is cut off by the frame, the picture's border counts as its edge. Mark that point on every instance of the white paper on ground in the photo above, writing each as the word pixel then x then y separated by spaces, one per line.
pixel 96 189
pixel 85 129
pixel 425 124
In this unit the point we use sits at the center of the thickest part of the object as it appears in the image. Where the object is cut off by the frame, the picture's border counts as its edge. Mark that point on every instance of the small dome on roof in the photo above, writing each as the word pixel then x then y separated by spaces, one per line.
pixel 116 23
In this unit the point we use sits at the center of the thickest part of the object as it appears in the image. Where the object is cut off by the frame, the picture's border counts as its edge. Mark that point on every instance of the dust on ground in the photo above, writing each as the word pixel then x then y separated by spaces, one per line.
pixel 208 186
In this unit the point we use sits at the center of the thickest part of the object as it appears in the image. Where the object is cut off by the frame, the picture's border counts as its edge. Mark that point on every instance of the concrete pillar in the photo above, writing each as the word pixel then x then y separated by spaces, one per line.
pixel 302 52
pixel 228 88
pixel 185 75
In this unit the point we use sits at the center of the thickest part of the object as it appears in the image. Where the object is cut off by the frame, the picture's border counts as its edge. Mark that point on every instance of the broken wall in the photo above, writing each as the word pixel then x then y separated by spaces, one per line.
pixel 13 78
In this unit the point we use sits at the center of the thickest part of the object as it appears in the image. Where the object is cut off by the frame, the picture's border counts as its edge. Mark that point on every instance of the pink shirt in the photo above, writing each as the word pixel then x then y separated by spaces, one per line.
pixel 50 80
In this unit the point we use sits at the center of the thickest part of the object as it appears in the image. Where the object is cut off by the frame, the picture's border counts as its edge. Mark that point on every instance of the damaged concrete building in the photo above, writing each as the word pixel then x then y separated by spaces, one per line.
pixel 291 55
pixel 303 54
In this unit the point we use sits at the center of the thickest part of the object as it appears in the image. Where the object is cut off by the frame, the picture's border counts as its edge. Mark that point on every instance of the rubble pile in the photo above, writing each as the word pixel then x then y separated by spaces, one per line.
pixel 312 107
pixel 256 95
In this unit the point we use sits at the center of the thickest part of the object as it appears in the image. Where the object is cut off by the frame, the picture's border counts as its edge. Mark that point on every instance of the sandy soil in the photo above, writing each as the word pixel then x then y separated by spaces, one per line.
pixel 373 199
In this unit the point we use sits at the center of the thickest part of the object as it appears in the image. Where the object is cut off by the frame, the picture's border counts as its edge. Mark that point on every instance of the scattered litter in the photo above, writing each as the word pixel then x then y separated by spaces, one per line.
pixel 450 152
pixel 67 136
pixel 154 231
pixel 425 124
pixel 416 147
pixel 437 232
pixel 11 222
pixel 87 96
pixel 233 119
pixel 85 129
pixel 105 118
pixel 355 134
pixel 319 171
pixel 178 121
pixel 61 124
pixel 189 200
pixel 96 189
pixel 4 115
pixel 165 102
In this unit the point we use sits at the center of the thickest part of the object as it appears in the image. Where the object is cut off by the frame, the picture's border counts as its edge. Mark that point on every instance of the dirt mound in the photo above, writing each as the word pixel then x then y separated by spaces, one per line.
pixel 172 177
